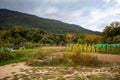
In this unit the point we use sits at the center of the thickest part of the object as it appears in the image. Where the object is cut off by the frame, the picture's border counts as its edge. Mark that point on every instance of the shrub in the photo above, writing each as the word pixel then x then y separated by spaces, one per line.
pixel 5 56
pixel 82 59
pixel 40 56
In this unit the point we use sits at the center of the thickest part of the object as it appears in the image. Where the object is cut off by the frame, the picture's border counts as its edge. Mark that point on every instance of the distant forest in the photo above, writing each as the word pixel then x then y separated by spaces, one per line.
pixel 20 29
pixel 19 36
pixel 33 37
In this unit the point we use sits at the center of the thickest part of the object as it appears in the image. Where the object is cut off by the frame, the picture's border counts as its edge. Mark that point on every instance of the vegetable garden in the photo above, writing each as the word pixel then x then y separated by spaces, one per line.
pixel 98 48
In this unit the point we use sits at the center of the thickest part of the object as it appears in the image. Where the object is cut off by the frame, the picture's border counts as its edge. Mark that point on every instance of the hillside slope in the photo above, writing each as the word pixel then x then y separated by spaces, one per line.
pixel 9 18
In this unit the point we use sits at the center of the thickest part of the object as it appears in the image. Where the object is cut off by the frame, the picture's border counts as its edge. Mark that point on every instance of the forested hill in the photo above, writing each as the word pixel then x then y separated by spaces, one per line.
pixel 9 18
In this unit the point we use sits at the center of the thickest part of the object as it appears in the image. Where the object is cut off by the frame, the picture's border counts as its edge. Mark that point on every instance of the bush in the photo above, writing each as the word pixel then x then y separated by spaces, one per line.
pixel 40 56
pixel 82 59
pixel 5 56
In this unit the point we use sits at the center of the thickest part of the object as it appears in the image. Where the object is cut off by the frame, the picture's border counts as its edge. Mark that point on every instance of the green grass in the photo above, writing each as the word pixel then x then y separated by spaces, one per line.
pixel 14 56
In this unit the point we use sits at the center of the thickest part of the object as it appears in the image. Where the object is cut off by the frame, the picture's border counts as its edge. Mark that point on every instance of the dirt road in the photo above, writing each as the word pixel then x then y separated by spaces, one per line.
pixel 21 71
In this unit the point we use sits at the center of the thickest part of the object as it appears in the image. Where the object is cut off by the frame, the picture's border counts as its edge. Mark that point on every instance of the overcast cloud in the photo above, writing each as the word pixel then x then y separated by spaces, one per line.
pixel 90 14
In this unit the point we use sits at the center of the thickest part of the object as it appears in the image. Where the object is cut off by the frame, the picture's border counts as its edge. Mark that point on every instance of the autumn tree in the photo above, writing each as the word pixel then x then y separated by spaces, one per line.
pixel 111 31
pixel 92 38
pixel 69 38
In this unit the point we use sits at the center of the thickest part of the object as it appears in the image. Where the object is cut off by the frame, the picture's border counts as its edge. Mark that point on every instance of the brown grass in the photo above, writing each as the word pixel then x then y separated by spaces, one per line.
pixel 108 57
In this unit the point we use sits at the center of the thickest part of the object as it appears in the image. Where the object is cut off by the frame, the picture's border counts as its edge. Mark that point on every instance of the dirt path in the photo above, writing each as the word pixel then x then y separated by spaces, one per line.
pixel 108 57
pixel 10 69
pixel 20 71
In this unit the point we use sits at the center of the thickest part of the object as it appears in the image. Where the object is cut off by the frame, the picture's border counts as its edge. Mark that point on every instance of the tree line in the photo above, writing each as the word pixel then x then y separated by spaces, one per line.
pixel 19 36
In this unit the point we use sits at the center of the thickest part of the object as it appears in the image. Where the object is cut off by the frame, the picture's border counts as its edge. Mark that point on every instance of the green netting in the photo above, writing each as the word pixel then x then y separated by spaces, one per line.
pixel 104 45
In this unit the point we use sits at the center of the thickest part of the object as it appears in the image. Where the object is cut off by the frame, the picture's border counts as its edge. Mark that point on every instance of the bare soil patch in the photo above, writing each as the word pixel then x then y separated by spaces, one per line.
pixel 9 70
pixel 20 71
pixel 108 57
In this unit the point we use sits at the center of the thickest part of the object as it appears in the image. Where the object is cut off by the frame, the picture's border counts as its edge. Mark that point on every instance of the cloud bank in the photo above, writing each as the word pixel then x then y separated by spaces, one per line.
pixel 91 14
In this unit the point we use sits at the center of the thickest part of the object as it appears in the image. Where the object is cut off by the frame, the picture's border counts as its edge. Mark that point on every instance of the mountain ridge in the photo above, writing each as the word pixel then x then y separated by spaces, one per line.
pixel 9 18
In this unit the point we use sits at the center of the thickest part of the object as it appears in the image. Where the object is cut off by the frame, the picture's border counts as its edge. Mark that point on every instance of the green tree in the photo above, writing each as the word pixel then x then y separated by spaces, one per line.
pixel 110 32
pixel 116 39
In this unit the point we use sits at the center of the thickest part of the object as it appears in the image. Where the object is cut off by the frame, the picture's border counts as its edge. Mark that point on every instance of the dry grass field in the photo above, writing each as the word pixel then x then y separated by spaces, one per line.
pixel 22 71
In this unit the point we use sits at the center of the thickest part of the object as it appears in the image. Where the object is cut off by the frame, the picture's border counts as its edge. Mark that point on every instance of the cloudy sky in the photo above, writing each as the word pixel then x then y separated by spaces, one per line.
pixel 91 14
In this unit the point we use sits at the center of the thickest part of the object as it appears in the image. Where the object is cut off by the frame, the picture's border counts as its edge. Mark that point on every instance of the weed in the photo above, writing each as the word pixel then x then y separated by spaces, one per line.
pixel 52 58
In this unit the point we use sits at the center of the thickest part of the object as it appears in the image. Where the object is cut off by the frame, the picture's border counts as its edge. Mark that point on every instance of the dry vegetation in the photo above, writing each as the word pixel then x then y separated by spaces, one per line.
pixel 20 71
pixel 54 63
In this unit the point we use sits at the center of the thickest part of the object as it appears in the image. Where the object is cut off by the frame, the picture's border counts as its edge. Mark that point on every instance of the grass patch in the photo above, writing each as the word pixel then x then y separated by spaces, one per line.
pixel 14 56
pixel 49 77
pixel 42 56
pixel 52 57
